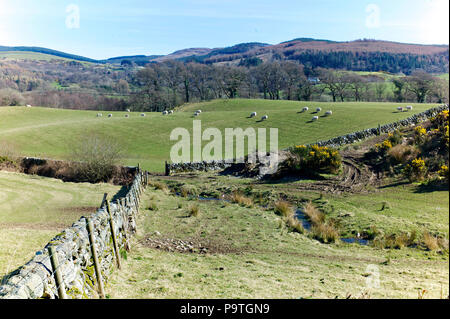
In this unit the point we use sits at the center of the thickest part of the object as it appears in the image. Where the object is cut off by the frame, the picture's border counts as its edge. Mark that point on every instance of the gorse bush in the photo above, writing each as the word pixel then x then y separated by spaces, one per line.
pixel 444 173
pixel 440 126
pixel 314 159
pixel 416 170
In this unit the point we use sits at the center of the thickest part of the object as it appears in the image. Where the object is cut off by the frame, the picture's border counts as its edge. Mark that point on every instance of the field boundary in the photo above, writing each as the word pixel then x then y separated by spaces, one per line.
pixel 77 262
pixel 338 141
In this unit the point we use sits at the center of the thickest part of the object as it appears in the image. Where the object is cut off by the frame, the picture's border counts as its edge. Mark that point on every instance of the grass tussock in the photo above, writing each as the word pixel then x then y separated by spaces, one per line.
pixel 284 209
pixel 159 186
pixel 395 241
pixel 242 200
pixel 314 215
pixel 325 232
pixel 287 212
pixel 188 190
pixel 431 242
pixel 402 153
pixel 194 211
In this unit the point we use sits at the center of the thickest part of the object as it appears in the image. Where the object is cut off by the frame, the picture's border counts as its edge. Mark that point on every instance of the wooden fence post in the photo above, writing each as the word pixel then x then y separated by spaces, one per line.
pixel 105 195
pixel 98 271
pixel 167 169
pixel 113 234
pixel 57 273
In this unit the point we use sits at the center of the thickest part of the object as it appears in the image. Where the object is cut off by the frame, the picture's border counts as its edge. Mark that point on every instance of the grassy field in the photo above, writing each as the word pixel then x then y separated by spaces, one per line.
pixel 53 132
pixel 34 209
pixel 23 55
pixel 252 255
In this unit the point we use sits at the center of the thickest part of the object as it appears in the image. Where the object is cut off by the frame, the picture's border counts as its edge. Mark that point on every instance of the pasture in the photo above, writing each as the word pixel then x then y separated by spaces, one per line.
pixel 52 133
pixel 252 255
pixel 34 209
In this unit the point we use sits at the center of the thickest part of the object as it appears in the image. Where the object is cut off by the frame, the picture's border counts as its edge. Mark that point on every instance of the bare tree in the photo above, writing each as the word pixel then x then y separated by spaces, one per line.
pixel 421 84
pixel 96 157
pixel 294 76
pixel 356 84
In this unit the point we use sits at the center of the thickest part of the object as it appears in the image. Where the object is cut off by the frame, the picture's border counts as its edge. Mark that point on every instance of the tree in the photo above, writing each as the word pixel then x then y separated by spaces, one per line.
pixel 399 89
pixel 380 89
pixel 356 84
pixel 440 91
pixel 336 82
pixel 231 80
pixel 96 157
pixel 122 87
pixel 294 76
pixel 421 84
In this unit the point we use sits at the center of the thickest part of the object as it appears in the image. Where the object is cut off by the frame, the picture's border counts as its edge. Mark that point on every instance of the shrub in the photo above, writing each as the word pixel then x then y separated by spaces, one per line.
pixel 10 97
pixel 443 172
pixel 440 124
pixel 383 147
pixel 96 158
pixel 395 137
pixel 316 159
pixel 402 153
pixel 420 135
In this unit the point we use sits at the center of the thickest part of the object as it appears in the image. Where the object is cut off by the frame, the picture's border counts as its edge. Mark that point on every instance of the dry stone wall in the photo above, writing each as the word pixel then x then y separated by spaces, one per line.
pixel 333 142
pixel 36 279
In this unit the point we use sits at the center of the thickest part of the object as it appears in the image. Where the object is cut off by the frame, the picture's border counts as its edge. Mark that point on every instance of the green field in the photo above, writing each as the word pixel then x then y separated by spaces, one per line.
pixel 252 255
pixel 53 132
pixel 34 209
pixel 23 55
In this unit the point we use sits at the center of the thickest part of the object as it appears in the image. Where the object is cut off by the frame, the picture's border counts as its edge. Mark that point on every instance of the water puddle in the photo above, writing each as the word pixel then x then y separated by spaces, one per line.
pixel 300 215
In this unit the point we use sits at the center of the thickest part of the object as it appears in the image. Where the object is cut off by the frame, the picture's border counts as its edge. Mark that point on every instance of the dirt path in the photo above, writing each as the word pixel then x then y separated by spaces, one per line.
pixel 355 178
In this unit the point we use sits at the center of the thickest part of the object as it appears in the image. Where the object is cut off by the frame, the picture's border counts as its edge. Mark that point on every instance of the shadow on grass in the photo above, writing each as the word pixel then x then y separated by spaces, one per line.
pixel 431 187
pixel 401 183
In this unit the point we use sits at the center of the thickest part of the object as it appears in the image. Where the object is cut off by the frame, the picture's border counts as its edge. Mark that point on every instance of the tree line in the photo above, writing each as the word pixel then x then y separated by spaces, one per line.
pixel 172 83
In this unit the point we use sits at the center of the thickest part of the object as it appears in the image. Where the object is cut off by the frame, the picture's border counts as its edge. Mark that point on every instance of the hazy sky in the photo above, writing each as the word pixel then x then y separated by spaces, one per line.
pixel 107 28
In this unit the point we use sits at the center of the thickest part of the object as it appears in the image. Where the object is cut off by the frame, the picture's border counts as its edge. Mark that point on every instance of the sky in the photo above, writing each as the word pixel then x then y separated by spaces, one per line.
pixel 107 28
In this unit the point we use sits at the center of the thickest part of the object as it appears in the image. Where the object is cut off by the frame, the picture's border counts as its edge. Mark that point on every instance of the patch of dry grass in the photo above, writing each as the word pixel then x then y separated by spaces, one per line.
pixel 242 200
pixel 287 212
pixel 314 215
pixel 194 211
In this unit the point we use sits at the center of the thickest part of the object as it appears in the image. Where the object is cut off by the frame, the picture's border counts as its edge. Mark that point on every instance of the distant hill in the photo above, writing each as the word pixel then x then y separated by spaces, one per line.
pixel 358 55
pixel 49 52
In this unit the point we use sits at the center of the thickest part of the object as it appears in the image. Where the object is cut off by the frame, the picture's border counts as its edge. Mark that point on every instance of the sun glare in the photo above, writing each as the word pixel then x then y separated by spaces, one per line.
pixel 435 23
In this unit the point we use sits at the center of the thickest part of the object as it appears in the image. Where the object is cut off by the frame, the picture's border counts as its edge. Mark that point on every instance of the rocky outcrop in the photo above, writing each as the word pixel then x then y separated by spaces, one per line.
pixel 36 278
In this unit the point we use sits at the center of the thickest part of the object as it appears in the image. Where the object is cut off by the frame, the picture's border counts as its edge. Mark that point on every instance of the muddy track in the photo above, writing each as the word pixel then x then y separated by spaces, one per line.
pixel 355 178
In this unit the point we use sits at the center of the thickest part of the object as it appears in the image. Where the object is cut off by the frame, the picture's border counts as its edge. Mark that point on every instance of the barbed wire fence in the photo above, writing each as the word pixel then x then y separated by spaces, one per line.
pixel 76 263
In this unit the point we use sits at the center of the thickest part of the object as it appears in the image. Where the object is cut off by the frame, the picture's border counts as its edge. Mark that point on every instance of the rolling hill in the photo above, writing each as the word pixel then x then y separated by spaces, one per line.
pixel 53 132
pixel 358 55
